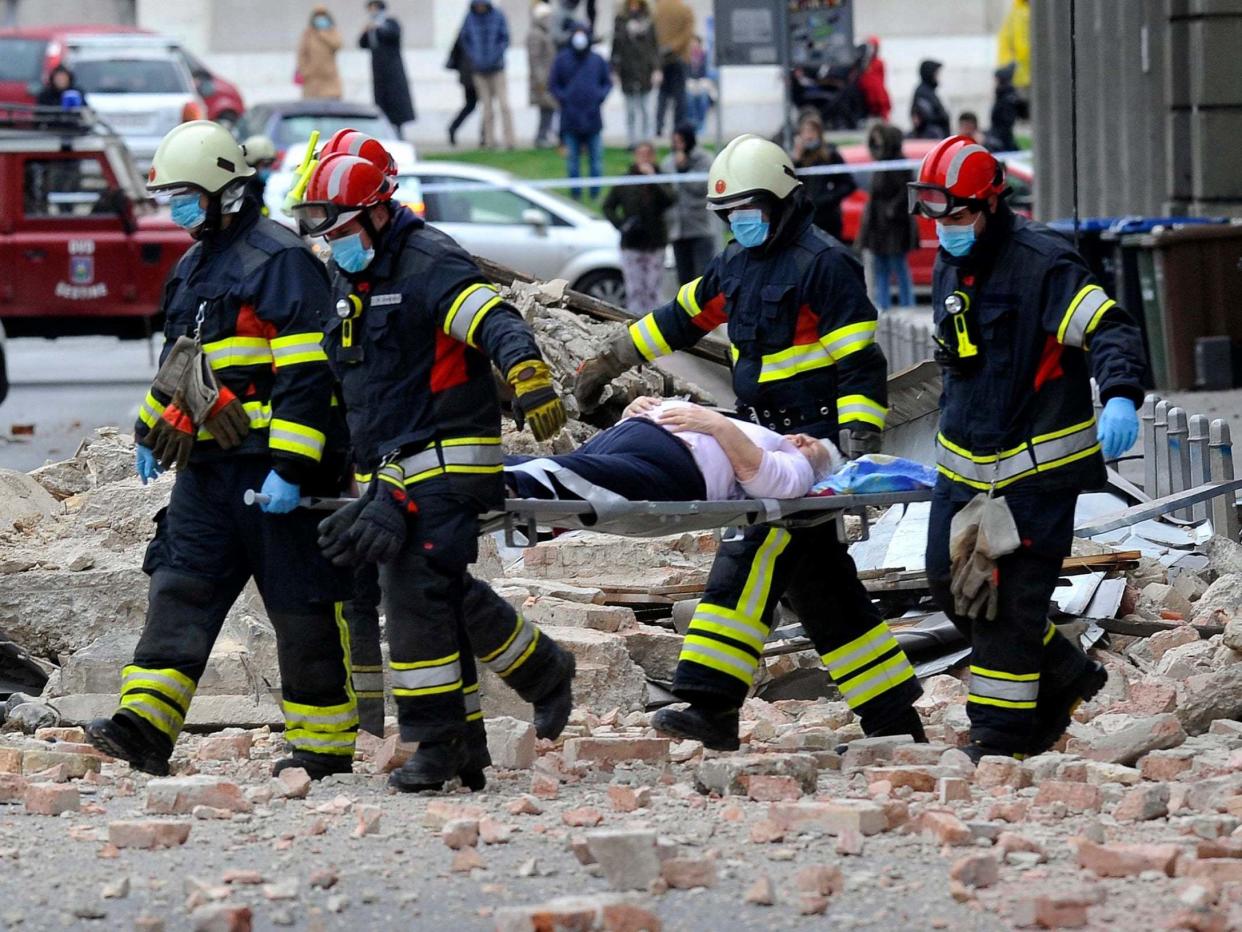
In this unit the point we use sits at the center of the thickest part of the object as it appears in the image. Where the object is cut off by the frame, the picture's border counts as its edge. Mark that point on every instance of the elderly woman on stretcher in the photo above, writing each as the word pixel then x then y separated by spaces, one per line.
pixel 666 450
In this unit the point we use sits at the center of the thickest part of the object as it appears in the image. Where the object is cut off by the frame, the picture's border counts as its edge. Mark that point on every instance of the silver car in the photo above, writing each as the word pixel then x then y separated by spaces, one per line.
pixel 533 230
pixel 140 86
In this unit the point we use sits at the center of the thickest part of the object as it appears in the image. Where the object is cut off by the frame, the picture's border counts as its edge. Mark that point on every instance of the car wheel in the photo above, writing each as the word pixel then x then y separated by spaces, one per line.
pixel 604 285
pixel 228 119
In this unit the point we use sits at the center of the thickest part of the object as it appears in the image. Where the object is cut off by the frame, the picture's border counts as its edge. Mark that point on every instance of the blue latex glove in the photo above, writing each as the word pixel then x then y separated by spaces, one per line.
pixel 284 495
pixel 1118 427
pixel 148 465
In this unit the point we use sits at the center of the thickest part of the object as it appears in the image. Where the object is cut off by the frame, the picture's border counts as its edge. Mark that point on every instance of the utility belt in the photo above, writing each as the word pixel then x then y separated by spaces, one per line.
pixel 785 420
pixel 476 456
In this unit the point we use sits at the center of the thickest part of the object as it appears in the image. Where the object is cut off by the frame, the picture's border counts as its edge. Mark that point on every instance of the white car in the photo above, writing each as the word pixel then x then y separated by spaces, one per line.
pixel 533 230
pixel 139 85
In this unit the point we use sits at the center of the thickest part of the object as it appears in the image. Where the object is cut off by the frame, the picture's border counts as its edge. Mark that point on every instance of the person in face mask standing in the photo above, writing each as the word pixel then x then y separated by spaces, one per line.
pixel 317 50
pixel 804 361
pixel 1022 326
pixel 826 191
pixel 260 154
pixel 416 332
pixel 580 83
pixel 242 313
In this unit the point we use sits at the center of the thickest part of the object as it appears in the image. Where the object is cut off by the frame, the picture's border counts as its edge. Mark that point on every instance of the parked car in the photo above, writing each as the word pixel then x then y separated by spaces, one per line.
pixel 289 124
pixel 82 249
pixel 27 56
pixel 531 230
pixel 1018 172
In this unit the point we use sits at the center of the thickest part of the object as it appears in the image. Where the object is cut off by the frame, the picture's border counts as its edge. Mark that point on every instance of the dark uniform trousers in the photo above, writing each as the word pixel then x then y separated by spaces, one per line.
pixel 367 670
pixel 208 544
pixel 440 618
pixel 815 572
pixel 1020 653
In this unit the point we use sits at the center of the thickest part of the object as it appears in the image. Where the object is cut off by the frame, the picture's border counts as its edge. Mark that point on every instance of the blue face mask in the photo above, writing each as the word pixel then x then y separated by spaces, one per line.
pixel 323 22
pixel 348 253
pixel 956 241
pixel 264 174
pixel 187 213
pixel 749 228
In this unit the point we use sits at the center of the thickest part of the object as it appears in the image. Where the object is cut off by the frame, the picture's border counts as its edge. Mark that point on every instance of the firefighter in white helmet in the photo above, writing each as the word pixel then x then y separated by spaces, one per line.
pixel 804 361
pixel 242 400
pixel 260 154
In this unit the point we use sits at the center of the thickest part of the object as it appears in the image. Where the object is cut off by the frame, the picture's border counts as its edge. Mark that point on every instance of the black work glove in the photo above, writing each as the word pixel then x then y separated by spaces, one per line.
pixel 858 441
pixel 378 533
pixel 334 540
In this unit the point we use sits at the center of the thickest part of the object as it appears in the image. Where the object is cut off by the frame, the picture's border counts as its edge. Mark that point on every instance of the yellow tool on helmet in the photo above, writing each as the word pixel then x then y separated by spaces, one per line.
pixel 303 174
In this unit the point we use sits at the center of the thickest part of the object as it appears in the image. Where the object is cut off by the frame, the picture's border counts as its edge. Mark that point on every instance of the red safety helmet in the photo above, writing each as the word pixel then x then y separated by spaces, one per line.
pixel 356 142
pixel 956 173
pixel 340 189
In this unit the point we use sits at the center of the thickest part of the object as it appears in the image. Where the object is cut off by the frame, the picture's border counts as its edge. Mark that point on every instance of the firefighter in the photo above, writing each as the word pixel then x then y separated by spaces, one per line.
pixel 1022 326
pixel 416 331
pixel 804 361
pixel 243 306
pixel 260 154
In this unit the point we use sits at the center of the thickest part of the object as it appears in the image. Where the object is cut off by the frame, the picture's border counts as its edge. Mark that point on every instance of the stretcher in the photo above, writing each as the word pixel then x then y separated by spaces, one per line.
pixel 522 518
pixel 655 519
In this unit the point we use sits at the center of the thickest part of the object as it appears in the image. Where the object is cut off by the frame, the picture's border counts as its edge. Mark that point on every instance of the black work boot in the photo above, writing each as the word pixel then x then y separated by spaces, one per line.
pixel 129 740
pixel 434 764
pixel 716 728
pixel 976 752
pixel 907 723
pixel 552 710
pixel 478 758
pixel 1054 713
pixel 317 766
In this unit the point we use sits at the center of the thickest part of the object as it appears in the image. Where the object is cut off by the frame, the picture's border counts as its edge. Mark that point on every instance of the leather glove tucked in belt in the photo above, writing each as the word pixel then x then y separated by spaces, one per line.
pixel 171 438
pixel 858 441
pixel 227 420
pixel 979 535
pixel 535 398
pixel 595 373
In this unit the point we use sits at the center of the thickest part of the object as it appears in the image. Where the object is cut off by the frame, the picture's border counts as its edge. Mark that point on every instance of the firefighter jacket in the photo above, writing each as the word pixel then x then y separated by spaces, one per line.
pixel 1019 411
pixel 412 345
pixel 256 297
pixel 801 327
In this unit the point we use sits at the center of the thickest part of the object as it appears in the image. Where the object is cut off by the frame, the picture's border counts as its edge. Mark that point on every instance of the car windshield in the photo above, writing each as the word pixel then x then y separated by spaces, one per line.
pixel 21 59
pixel 295 129
pixel 129 76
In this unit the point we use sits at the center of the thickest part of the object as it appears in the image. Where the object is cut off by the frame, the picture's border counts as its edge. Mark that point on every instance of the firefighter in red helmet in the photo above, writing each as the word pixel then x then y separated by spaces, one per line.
pixel 1022 327
pixel 417 330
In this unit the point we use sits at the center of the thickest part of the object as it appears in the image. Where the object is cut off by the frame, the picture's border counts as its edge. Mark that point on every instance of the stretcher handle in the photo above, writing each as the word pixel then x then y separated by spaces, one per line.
pixel 311 502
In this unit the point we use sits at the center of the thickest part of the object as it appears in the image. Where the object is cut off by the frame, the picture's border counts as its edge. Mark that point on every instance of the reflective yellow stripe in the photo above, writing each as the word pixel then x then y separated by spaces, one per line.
pixel 158 714
pixel 320 743
pixel 850 339
pixel 150 410
pixel 876 680
pixel 739 629
pixel 859 652
pixel 168 682
pixel 860 408
pixel 1002 675
pixel 468 310
pixel 687 298
pixel 298 348
pixel 1050 633
pixel 754 597
pixel 427 690
pixel 1002 703
pixel 260 413
pixel 291 437
pixel 238 351
pixel 801 357
pixel 720 657
pixel 1083 315
pixel 648 339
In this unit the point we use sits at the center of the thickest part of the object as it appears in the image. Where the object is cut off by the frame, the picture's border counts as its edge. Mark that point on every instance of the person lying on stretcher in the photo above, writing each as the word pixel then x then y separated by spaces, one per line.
pixel 678 451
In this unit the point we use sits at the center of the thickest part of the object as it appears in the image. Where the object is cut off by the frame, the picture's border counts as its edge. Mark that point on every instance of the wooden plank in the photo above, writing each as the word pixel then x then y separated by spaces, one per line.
pixel 1111 561
pixel 1145 629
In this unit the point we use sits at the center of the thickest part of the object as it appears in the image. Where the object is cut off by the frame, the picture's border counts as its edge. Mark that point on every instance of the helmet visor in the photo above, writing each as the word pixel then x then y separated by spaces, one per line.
pixel 935 201
pixel 319 218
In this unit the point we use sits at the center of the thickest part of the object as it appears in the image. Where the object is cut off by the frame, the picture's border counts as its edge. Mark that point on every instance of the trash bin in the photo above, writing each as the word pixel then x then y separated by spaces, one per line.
pixel 1190 280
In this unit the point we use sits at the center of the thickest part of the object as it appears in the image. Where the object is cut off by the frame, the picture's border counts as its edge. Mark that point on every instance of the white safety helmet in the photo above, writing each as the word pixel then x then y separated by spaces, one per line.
pixel 258 148
pixel 749 167
pixel 199 154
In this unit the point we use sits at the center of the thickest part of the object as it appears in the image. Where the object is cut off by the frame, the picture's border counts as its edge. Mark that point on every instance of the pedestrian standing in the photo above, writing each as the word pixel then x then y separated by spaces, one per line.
pixel 388 82
pixel 459 61
pixel 580 83
pixel 638 212
pixel 825 191
pixel 1007 108
pixel 635 63
pixel 317 57
pixel 888 231
pixel 59 81
pixel 1022 328
pixel 674 22
pixel 540 54
pixel 871 82
pixel 700 86
pixel 693 231
pixel 485 39
pixel 968 125
pixel 928 117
